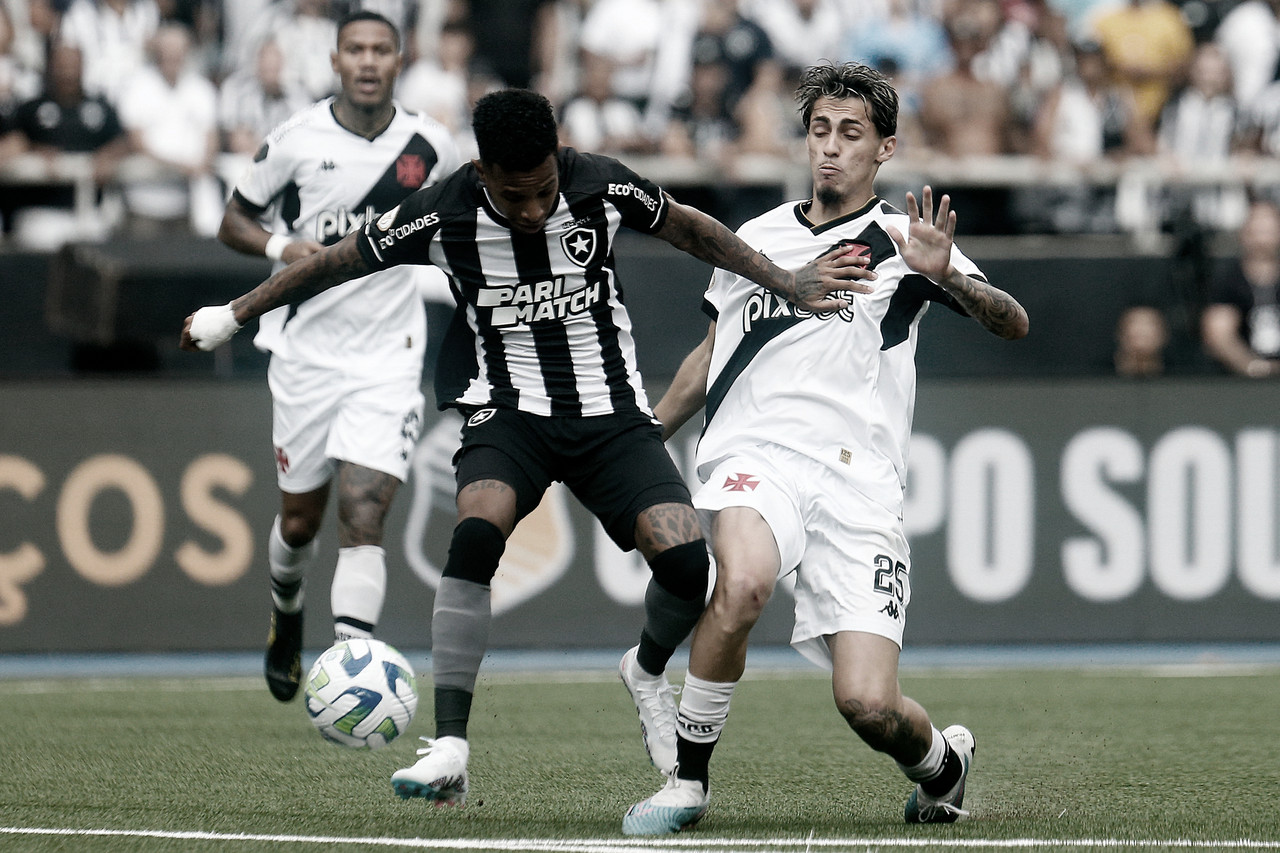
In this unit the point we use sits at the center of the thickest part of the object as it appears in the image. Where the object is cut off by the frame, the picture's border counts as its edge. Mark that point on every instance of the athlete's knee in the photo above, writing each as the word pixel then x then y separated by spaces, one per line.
pixel 740 596
pixel 683 570
pixel 474 551
pixel 875 715
pixel 360 521
pixel 299 527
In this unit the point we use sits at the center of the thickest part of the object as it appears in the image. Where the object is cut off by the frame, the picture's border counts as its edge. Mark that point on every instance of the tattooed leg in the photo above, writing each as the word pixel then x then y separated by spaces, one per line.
pixel 360 577
pixel 669 537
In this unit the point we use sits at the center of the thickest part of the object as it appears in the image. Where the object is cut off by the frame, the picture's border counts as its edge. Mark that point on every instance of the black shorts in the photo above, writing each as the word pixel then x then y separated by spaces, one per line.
pixel 616 465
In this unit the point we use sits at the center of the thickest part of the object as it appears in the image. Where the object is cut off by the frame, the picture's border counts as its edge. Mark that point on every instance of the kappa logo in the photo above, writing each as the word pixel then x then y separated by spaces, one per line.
pixel 892 609
pixel 481 416
pixel 579 245
pixel 327 165
pixel 282 460
pixel 740 483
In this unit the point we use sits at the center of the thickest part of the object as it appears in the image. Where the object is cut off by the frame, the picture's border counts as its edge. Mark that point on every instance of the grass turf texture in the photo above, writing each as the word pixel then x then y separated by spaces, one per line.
pixel 1062 754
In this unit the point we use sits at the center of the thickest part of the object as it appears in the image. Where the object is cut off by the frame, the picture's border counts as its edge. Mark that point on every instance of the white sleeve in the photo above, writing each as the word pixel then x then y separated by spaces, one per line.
pixel 270 171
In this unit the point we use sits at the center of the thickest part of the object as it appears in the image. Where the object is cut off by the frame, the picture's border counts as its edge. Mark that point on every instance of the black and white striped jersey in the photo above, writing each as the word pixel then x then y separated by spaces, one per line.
pixel 540 324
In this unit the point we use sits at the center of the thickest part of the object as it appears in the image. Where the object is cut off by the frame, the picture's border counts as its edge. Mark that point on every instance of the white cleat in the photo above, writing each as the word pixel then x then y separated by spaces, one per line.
pixel 679 805
pixel 440 774
pixel 655 701
pixel 922 808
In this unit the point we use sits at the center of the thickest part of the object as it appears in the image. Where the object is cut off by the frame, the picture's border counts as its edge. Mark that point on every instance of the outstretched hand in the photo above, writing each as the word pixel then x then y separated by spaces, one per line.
pixel 825 284
pixel 927 248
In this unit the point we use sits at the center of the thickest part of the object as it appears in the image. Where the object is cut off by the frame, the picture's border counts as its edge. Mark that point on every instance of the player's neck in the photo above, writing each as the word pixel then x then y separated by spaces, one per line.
pixel 367 122
pixel 822 211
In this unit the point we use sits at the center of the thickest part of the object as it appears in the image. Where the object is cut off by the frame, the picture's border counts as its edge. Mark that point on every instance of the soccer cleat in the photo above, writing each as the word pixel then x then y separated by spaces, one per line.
pixel 655 702
pixel 283 663
pixel 922 808
pixel 440 774
pixel 679 805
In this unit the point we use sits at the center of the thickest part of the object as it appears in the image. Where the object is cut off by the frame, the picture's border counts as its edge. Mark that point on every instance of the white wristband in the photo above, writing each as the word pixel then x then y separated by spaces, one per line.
pixel 213 326
pixel 275 246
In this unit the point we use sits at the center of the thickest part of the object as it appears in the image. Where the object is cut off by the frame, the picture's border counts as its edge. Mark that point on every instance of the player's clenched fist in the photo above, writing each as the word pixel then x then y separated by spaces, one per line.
pixel 209 328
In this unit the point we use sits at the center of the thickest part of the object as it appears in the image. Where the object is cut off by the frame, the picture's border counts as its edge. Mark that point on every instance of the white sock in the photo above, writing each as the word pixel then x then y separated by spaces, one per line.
pixel 704 709
pixel 288 567
pixel 359 587
pixel 931 765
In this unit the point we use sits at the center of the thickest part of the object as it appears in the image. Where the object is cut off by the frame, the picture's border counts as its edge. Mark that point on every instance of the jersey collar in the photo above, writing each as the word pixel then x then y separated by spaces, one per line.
pixel 802 215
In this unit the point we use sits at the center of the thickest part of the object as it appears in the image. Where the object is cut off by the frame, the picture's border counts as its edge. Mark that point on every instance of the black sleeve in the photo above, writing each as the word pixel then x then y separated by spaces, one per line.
pixel 403 234
pixel 641 202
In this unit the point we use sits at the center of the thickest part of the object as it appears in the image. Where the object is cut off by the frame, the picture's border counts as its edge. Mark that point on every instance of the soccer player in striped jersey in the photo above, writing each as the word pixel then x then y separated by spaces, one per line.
pixel 346 366
pixel 803 456
pixel 541 362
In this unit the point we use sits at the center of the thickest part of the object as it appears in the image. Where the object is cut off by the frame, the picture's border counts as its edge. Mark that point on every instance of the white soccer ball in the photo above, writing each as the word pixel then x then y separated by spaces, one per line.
pixel 361 694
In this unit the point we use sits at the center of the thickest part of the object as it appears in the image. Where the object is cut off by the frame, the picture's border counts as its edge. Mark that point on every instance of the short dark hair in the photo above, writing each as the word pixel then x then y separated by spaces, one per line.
pixel 515 129
pixel 850 80
pixel 367 15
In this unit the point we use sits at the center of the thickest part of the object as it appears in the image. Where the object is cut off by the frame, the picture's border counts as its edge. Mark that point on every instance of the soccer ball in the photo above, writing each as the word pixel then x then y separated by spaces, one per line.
pixel 361 693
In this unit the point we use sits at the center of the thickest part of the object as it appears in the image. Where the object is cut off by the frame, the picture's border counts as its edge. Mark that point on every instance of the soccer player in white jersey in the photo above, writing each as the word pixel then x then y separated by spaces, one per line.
pixel 541 361
pixel 803 457
pixel 346 365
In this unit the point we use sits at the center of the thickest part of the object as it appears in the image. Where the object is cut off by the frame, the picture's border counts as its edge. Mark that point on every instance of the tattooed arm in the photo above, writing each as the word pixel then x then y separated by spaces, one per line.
pixel 927 250
pixel 816 286
pixel 210 327
pixel 996 310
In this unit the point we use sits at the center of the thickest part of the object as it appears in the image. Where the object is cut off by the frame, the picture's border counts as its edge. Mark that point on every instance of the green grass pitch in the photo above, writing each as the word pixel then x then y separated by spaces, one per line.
pixel 1067 759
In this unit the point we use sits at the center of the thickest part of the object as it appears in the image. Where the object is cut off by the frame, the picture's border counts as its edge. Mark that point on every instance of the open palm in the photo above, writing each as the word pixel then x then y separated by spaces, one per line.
pixel 927 248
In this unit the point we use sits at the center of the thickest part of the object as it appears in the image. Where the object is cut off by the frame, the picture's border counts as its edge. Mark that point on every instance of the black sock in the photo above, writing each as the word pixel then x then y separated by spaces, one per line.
pixel 651 656
pixel 952 767
pixel 453 709
pixel 693 760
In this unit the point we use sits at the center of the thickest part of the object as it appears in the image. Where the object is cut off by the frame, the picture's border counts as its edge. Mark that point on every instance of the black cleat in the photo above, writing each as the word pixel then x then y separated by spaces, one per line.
pixel 283 663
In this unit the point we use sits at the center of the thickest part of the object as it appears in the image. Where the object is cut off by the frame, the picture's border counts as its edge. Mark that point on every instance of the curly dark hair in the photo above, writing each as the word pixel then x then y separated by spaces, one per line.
pixel 850 80
pixel 515 129
pixel 366 15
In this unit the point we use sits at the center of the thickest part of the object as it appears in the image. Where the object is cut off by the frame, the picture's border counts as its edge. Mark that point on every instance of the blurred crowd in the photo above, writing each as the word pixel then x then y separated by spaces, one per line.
pixel 194 85
pixel 709 81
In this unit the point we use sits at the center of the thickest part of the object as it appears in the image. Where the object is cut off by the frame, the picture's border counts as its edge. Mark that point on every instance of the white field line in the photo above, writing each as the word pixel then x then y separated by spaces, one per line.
pixel 637 845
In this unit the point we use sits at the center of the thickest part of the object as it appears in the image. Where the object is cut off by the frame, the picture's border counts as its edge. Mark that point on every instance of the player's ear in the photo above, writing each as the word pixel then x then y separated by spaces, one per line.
pixel 887 146
pixel 333 61
pixel 479 166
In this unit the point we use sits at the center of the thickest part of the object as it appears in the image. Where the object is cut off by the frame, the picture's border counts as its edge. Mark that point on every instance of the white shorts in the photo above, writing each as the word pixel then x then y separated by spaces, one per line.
pixel 849 553
pixel 321 416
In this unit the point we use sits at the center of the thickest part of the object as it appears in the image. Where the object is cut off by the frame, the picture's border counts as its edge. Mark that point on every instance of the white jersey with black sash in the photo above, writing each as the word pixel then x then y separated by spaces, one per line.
pixel 321 181
pixel 838 387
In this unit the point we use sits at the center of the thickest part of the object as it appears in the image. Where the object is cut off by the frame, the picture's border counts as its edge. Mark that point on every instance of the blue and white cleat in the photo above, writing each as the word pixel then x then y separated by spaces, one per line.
pixel 440 775
pixel 922 808
pixel 679 805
